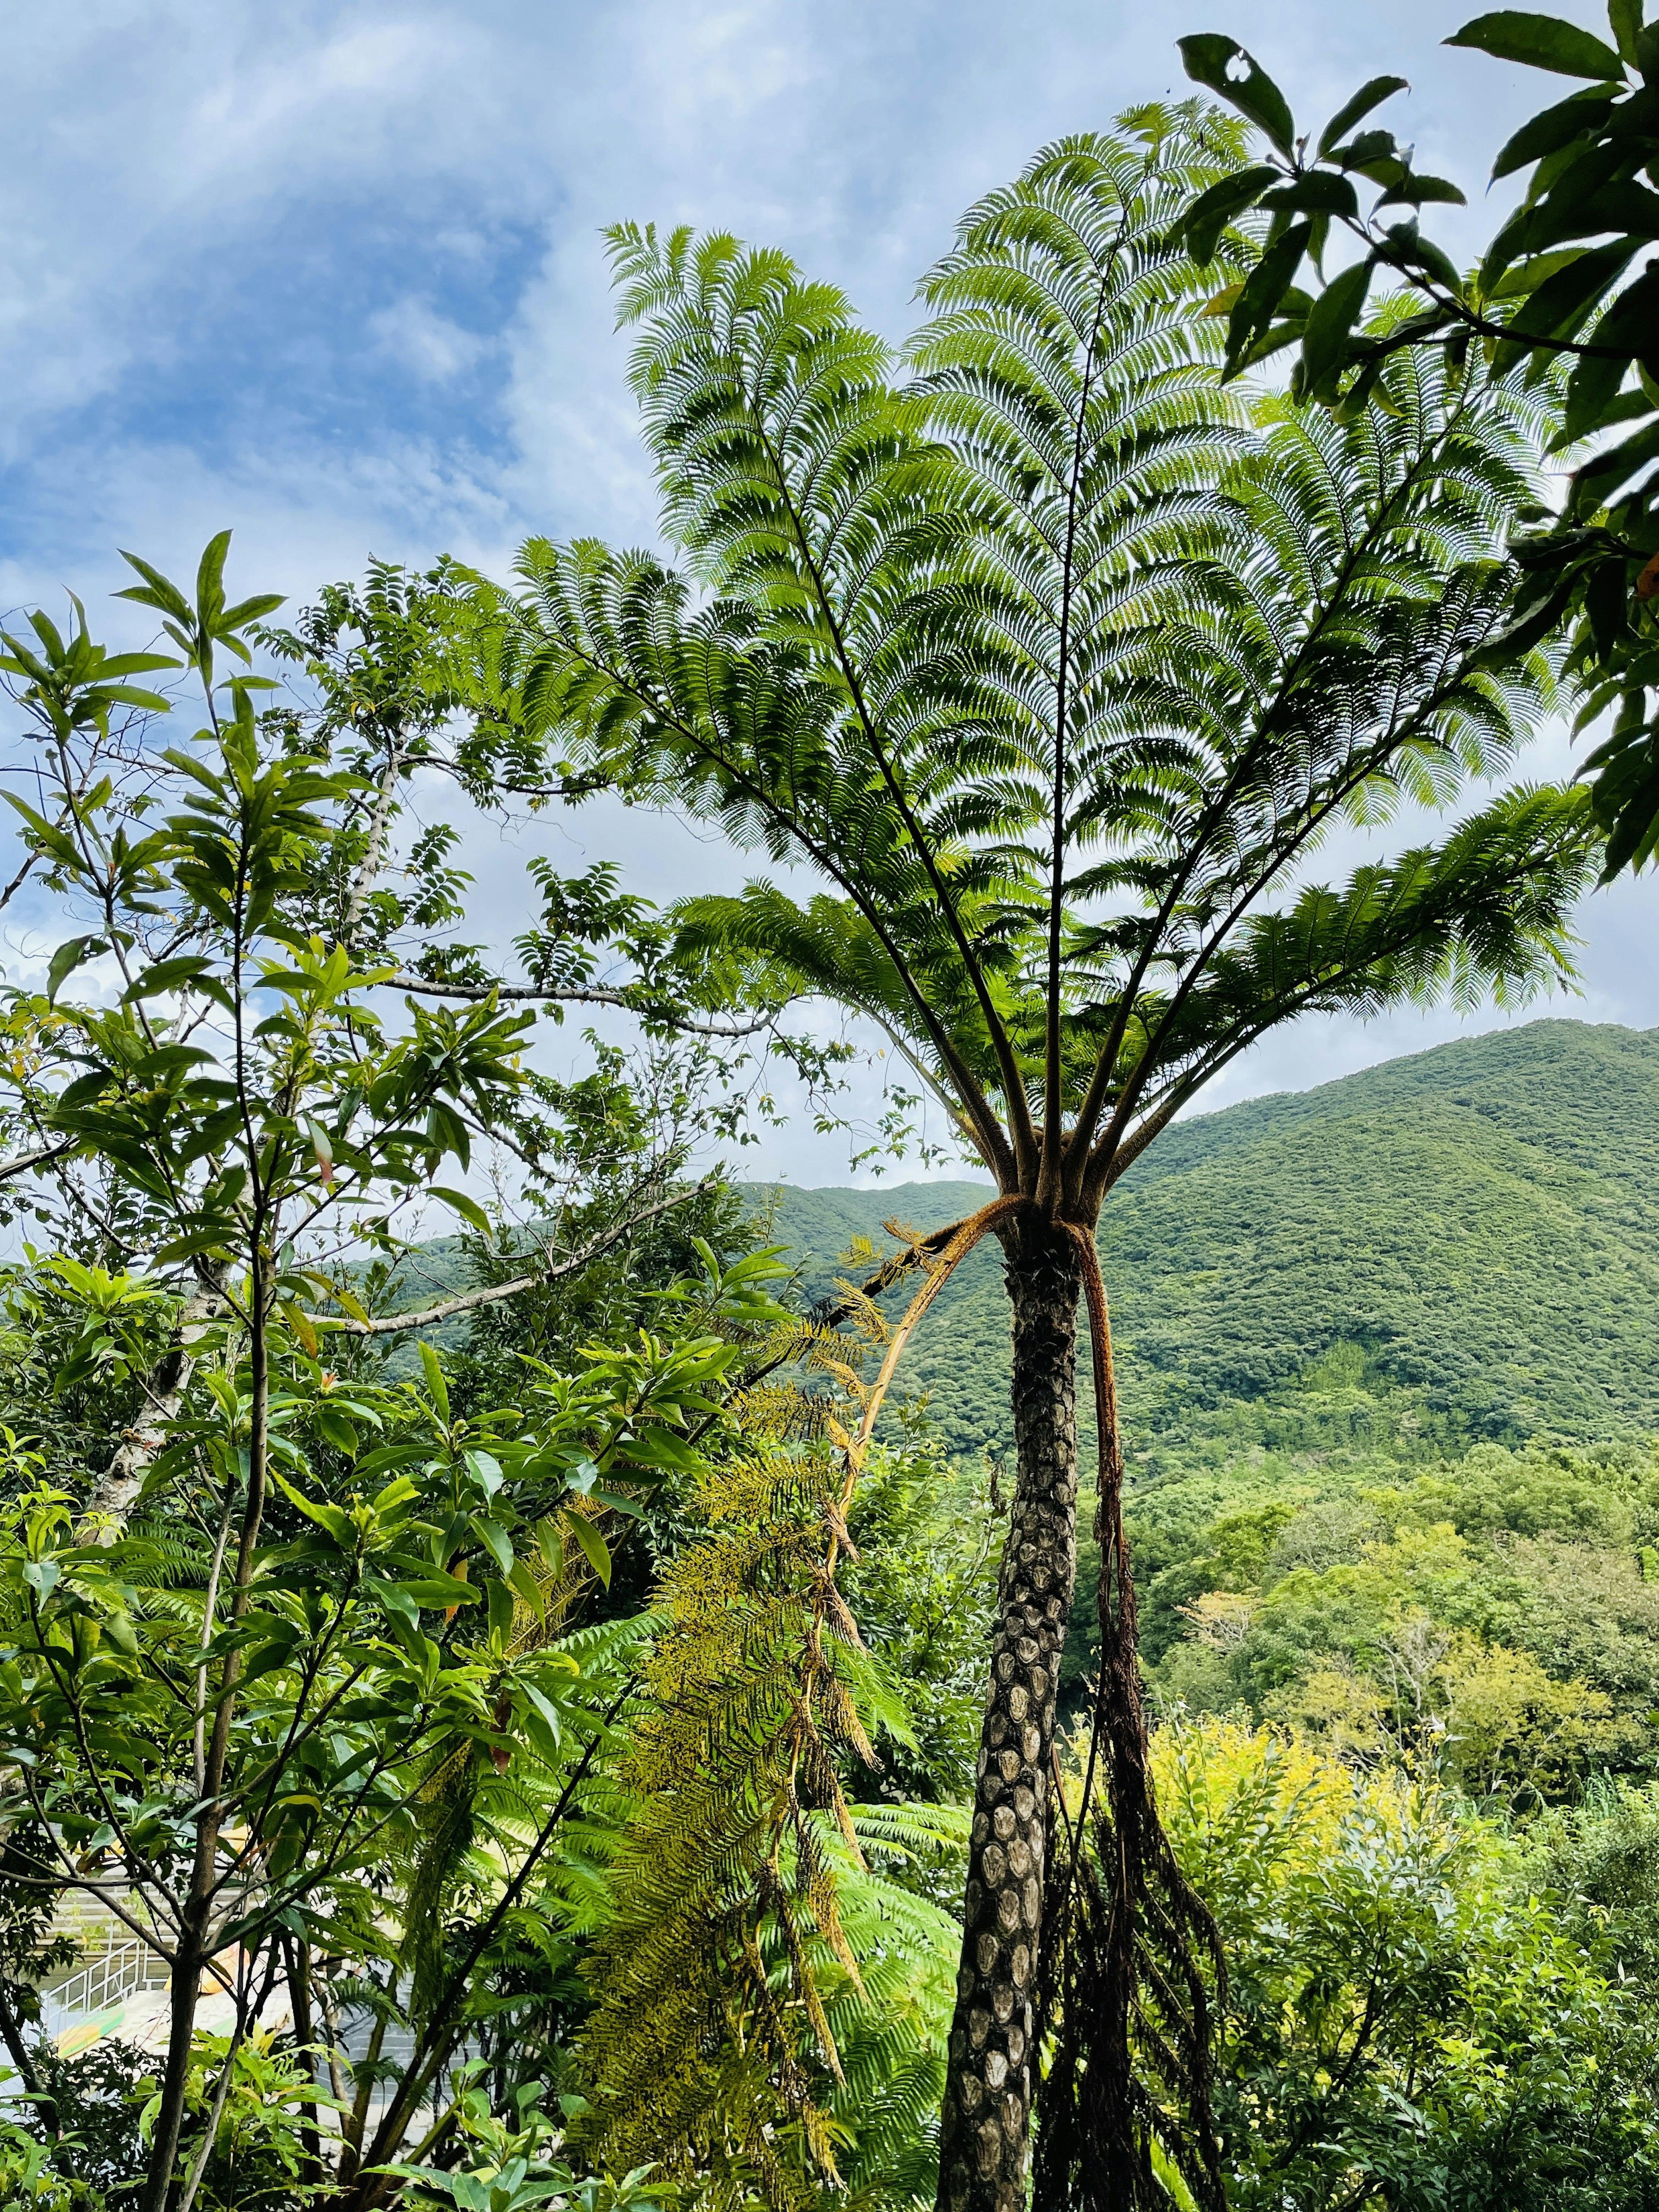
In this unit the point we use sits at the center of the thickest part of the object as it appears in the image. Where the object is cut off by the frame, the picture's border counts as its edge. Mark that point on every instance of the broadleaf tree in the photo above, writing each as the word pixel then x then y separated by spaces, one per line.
pixel 295 1668
pixel 1568 279
pixel 1053 661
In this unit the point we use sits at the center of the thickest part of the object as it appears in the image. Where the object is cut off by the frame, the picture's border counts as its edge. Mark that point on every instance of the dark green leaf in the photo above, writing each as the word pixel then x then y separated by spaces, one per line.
pixel 1593 388
pixel 588 1537
pixel 1363 154
pixel 1319 192
pixel 1554 128
pixel 1413 191
pixel 1370 96
pixel 1631 323
pixel 1419 252
pixel 1595 484
pixel 1265 287
pixel 66 959
pixel 1607 604
pixel 1541 42
pixel 502 1606
pixel 1212 210
pixel 1558 306
pixel 1330 320
pixel 1209 58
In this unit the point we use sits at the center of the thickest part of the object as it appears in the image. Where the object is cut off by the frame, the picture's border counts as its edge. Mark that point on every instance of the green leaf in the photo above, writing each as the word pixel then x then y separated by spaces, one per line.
pixel 437 1388
pixel 1592 390
pixel 332 1427
pixel 119 1628
pixel 502 1609
pixel 1209 57
pixel 1330 322
pixel 485 1470
pixel 520 1577
pixel 469 1208
pixel 659 1447
pixel 1580 113
pixel 165 975
pixel 550 1539
pixel 1624 20
pixel 1318 191
pixel 548 1713
pixel 333 1519
pixel 1558 306
pixel 1212 210
pixel 64 962
pixel 155 592
pixel 1543 42
pixel 588 1537
pixel 250 611
pixel 1413 191
pixel 1370 96
pixel 1265 287
pixel 434 1590
pixel 496 1540
pixel 211 580
pixel 1631 323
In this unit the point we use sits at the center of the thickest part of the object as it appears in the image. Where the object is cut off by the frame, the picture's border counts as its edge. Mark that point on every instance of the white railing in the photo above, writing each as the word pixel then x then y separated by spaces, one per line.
pixel 105 1978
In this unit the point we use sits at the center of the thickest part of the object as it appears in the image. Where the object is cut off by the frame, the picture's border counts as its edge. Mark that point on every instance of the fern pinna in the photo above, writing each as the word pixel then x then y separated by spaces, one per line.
pixel 769 2008
pixel 1051 666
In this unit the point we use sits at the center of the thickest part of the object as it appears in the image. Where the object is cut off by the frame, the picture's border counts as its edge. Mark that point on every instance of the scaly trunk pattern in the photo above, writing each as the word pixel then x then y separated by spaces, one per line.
pixel 993 2061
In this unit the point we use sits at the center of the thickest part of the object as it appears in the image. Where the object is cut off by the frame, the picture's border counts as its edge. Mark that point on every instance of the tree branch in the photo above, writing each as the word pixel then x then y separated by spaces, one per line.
pixel 491 1293
pixel 476 992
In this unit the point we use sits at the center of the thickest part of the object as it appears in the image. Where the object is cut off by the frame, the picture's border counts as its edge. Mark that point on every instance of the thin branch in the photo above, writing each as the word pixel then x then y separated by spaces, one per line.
pixel 25 1163
pixel 476 992
pixel 427 1316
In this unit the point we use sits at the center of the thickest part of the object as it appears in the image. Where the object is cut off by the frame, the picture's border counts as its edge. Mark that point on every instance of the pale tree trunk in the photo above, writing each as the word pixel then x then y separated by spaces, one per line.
pixel 991 2076
pixel 116 1491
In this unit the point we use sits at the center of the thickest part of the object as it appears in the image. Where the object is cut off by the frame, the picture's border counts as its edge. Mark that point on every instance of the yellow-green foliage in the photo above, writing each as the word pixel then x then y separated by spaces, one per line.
pixel 1407 2021
pixel 770 2010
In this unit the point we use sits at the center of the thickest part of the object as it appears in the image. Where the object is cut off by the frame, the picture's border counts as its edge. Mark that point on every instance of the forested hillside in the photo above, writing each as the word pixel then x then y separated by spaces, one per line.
pixel 1459 1246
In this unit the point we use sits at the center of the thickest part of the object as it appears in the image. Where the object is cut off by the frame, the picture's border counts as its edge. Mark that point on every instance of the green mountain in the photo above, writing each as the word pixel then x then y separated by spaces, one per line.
pixel 1458 1246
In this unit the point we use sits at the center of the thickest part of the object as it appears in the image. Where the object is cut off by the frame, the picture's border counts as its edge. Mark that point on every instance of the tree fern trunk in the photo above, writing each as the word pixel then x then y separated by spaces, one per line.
pixel 993 2063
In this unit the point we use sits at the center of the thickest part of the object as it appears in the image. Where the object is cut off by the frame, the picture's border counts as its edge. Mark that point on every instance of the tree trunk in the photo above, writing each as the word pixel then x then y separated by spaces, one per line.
pixel 116 1491
pixel 984 2150
pixel 11 2035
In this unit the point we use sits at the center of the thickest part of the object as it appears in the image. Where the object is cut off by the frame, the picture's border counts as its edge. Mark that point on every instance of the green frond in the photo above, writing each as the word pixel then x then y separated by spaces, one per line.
pixel 1059 607
pixel 769 2011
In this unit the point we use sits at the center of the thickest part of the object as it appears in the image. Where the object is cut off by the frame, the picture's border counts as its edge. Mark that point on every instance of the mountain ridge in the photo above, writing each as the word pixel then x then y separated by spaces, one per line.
pixel 1478 1225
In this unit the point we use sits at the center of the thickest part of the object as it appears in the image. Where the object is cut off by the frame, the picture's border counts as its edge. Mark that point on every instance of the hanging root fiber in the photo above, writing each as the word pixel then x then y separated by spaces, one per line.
pixel 1131 1979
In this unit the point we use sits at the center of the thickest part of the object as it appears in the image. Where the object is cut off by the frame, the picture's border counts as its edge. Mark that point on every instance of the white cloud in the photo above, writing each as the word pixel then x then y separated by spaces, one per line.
pixel 224 221
pixel 427 344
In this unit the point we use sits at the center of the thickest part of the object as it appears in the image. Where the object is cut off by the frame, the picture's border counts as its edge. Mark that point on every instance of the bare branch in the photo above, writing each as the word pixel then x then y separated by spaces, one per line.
pixel 25 1163
pixel 491 1293
pixel 474 992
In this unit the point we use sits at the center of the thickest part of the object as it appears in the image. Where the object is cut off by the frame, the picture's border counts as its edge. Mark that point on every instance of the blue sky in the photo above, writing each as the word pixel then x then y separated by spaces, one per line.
pixel 331 273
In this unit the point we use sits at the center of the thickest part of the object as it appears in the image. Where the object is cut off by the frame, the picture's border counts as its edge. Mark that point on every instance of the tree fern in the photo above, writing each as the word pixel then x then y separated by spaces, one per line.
pixel 1058 665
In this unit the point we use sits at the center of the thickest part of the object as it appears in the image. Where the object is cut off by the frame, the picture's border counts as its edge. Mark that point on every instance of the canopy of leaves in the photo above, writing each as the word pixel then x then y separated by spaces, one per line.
pixel 1056 664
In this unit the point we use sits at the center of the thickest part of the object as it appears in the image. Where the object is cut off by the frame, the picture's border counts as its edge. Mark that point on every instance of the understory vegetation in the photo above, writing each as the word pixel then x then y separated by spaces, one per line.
pixel 534 1670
